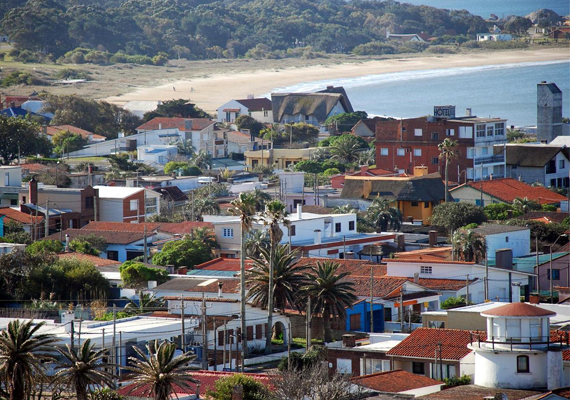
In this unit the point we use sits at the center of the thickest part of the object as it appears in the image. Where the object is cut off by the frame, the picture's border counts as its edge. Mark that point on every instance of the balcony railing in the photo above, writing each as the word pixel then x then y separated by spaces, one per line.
pixel 497 158
pixel 562 339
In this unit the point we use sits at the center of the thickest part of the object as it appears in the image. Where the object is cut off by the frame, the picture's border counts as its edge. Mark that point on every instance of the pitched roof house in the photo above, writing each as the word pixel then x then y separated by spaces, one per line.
pixel 399 381
pixel 503 191
pixel 259 109
pixel 91 137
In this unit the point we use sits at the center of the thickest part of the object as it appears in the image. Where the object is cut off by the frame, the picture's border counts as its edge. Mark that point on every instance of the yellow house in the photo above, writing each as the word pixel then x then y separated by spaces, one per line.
pixel 277 158
pixel 414 196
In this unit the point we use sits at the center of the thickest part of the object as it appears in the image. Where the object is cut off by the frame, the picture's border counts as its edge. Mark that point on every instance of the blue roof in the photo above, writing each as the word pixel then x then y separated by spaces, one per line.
pixel 156 151
pixel 20 112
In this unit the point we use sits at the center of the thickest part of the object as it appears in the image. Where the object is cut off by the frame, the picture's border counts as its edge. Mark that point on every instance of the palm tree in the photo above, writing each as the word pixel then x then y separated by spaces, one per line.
pixel 147 302
pixel 447 153
pixel 261 198
pixel 367 157
pixel 320 154
pixel 275 214
pixel 383 216
pixel 22 351
pixel 346 149
pixel 205 205
pixel 330 293
pixel 468 245
pixel 206 236
pixel 525 205
pixel 201 159
pixel 159 372
pixel 344 209
pixel 244 208
pixel 185 147
pixel 83 367
pixel 256 239
pixel 288 279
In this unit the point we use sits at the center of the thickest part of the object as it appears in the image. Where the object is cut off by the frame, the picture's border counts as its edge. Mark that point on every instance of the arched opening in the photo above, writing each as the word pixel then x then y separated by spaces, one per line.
pixel 280 332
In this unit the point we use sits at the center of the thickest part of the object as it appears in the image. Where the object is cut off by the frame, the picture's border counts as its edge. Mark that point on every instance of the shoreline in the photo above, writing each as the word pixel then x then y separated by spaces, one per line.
pixel 212 91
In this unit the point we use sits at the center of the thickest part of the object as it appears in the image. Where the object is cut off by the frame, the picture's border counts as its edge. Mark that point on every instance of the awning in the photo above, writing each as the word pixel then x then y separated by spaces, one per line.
pixel 9 196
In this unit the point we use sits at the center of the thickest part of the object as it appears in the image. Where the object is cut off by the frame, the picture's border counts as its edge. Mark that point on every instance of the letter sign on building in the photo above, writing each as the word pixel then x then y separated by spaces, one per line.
pixel 444 112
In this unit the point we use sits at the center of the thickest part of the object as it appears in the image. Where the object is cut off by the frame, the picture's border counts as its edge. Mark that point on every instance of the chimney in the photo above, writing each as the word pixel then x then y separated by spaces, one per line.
pixel 349 255
pixel 220 284
pixel 159 126
pixel 401 241
pixel 432 238
pixel 317 236
pixel 250 96
pixel 468 112
pixel 416 277
pixel 33 191
pixel 67 242
pixel 534 298
pixel 330 87
pixel 363 169
pixel 348 340
pixel 299 211
pixel 67 319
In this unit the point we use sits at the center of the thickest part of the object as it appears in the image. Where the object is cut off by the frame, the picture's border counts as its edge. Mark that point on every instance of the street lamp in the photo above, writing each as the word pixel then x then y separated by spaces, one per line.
pixel 550 275
pixel 56 170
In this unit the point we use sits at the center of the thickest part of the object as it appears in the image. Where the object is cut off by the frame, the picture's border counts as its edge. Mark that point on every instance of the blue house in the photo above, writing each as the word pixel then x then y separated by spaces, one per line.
pixel 358 318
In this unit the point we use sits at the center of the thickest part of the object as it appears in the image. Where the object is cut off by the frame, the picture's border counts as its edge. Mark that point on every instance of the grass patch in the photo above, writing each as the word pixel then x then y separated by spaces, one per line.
pixel 298 343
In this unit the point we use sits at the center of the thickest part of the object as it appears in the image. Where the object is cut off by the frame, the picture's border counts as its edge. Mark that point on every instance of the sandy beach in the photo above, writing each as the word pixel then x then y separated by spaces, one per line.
pixel 210 92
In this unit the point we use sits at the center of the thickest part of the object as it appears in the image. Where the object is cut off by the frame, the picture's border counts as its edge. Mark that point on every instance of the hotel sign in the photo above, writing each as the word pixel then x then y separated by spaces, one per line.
pixel 444 111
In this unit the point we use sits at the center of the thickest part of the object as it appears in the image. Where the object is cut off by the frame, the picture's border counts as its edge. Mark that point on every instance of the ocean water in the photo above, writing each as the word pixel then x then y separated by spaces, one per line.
pixel 502 91
pixel 501 8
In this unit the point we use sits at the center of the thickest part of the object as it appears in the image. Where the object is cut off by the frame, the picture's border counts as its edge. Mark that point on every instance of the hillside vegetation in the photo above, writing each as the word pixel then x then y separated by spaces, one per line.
pixel 151 31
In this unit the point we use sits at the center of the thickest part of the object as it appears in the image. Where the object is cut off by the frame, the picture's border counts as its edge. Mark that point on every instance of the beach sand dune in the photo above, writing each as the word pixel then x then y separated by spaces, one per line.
pixel 212 91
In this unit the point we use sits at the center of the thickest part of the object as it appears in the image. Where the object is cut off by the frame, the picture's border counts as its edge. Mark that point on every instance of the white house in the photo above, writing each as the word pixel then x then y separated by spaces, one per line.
pixel 156 155
pixel 259 109
pixel 184 183
pixel 494 37
pixel 10 185
pixel 499 283
pixel 499 237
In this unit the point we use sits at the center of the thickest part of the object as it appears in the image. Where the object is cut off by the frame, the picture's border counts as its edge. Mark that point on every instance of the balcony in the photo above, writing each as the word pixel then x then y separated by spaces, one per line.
pixel 498 158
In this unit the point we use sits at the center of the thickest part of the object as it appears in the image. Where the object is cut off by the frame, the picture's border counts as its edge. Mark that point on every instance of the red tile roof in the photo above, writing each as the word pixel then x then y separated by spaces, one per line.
pixel 354 267
pixel 419 260
pixel 472 392
pixel 19 216
pixel 519 310
pixel 223 264
pixel 379 172
pixel 395 381
pixel 195 124
pixel 182 228
pixel 35 167
pixel 509 189
pixel 423 342
pixel 259 104
pixel 383 286
pixel 207 380
pixel 96 261
pixel 241 138
pixel 442 284
pixel 53 129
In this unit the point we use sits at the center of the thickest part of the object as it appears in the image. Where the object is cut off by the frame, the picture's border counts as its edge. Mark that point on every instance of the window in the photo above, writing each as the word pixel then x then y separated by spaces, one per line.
pixel 561 164
pixel 470 152
pixel 401 152
pixel 435 135
pixel 337 227
pixel 258 331
pixel 426 204
pixel 228 232
pixel 555 274
pixel 384 151
pixel 484 151
pixel 418 132
pixel 522 364
pixel 490 130
pixel 551 167
pixel 6 179
pixel 513 329
pixel 89 202
pixel 435 160
pixel 426 269
pixel 450 132
pixel 13 202
pixel 436 324
pixel 249 333
pixel 535 329
pixel 350 225
pixel 417 152
pixel 480 130
pixel 500 129
pixel 134 205
pixel 151 206
pixel 465 132
pixel 306 117
pixel 292 230
pixel 414 203
pixel 418 368
pixel 113 255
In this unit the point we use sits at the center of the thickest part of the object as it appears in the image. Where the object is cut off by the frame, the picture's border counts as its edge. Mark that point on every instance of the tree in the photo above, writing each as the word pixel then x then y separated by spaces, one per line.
pixel 452 216
pixel 252 388
pixel 45 246
pixel 447 153
pixel 147 302
pixel 246 122
pixel 23 350
pixel 206 236
pixel 157 372
pixel 469 245
pixel 518 25
pixel 344 122
pixel 346 149
pixel 244 208
pixel 383 216
pixel 453 302
pixel 309 166
pixel 275 214
pixel 185 252
pixel 136 275
pixel 180 108
pixel 184 167
pixel 204 205
pixel 289 279
pixel 201 160
pixel 83 247
pixel 524 205
pixel 330 293
pixel 345 209
pixel 256 240
pixel 260 198
pixel 500 211
pixel 65 142
pixel 83 367
pixel 20 137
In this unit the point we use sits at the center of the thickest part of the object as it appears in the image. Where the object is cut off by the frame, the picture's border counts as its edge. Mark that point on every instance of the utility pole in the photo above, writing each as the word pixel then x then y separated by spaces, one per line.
pixel 183 333
pixel 114 350
pixel 72 334
pixel 467 290
pixel 225 343
pixel 204 335
pixel 145 257
pixel 371 299
pixel 95 206
pixel 440 362
pixel 537 265
pixel 120 352
pixel 231 339
pixel 47 217
pixel 343 246
pixel 487 294
pixel 288 345
pixel 401 311
pixel 215 347
pixel 308 323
